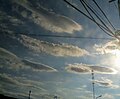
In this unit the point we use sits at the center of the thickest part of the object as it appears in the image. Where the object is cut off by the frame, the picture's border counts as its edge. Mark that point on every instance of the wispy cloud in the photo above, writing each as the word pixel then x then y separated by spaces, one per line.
pixel 19 86
pixel 107 96
pixel 84 68
pixel 106 83
pixel 11 61
pixel 38 66
pixel 62 50
pixel 52 21
pixel 73 92
pixel 110 47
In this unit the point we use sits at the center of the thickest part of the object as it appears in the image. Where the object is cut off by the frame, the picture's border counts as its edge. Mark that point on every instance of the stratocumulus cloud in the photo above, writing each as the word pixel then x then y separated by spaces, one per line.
pixel 11 61
pixel 51 48
pixel 52 21
pixel 84 68
pixel 106 83
pixel 110 47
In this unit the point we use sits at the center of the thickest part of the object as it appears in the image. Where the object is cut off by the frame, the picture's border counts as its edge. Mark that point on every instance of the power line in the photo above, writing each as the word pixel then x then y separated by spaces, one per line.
pixel 84 5
pixel 98 17
pixel 60 36
pixel 104 14
pixel 104 27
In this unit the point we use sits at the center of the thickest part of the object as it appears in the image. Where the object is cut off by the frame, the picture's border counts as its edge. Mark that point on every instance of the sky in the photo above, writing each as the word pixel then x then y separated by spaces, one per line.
pixel 50 49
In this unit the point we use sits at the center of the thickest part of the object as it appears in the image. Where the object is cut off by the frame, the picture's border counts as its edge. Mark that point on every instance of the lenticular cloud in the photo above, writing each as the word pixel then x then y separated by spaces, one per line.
pixel 62 50
pixel 84 68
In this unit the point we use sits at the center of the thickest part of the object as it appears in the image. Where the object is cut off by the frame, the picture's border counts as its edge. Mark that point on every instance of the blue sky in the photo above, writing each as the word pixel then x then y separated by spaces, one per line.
pixel 34 57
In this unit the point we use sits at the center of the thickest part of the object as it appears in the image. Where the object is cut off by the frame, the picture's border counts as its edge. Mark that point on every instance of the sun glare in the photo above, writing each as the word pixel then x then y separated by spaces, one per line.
pixel 117 57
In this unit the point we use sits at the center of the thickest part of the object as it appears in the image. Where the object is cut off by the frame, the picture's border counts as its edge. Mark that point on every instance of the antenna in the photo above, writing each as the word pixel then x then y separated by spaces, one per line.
pixel 93 84
pixel 29 94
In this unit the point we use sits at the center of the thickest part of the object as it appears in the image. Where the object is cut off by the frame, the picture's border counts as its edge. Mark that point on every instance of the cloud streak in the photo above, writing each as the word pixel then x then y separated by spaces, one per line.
pixel 10 61
pixel 38 66
pixel 106 83
pixel 84 69
pixel 61 50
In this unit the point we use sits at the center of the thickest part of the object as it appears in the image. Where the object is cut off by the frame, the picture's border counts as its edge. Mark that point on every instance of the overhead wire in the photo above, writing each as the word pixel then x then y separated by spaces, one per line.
pixel 103 26
pixel 91 15
pixel 92 10
pixel 104 14
pixel 115 5
pixel 84 4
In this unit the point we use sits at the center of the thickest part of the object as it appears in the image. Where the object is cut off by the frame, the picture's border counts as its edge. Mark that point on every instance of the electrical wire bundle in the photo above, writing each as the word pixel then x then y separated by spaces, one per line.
pixel 103 23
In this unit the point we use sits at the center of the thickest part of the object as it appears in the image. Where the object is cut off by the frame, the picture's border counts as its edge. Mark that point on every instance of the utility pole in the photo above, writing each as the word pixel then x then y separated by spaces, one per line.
pixel 93 84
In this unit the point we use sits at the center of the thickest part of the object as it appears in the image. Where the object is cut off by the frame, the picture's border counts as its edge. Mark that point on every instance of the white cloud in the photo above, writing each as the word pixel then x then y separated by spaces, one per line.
pixel 51 48
pixel 106 83
pixel 11 61
pixel 117 95
pixel 38 66
pixel 84 68
pixel 107 96
pixel 110 47
pixel 52 21
pixel 56 23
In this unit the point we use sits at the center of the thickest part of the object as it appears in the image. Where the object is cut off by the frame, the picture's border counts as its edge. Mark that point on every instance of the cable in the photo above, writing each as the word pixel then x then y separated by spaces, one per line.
pixel 115 5
pixel 93 17
pixel 98 18
pixel 104 14
pixel 111 1
pixel 86 9
pixel 112 35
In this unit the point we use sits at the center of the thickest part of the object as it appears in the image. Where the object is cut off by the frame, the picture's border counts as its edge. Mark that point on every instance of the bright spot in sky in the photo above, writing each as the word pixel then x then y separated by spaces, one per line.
pixel 117 57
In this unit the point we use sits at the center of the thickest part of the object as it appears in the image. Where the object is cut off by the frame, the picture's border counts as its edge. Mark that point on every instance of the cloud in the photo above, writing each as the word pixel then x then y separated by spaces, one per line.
pixel 117 95
pixel 11 61
pixel 106 83
pixel 52 21
pixel 78 68
pixel 107 96
pixel 103 70
pixel 38 66
pixel 51 48
pixel 84 68
pixel 110 47
pixel 19 86
pixel 73 92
